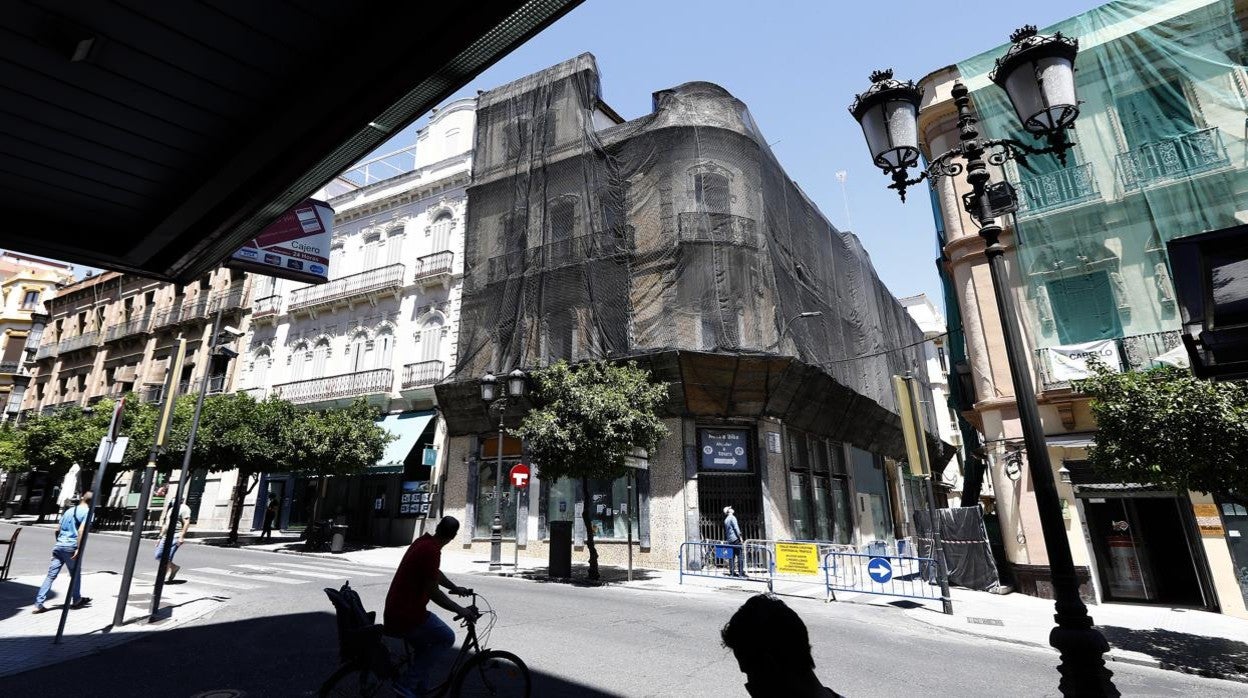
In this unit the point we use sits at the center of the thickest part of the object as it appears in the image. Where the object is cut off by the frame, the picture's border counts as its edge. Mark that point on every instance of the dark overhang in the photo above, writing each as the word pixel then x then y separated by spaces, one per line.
pixel 1210 273
pixel 156 137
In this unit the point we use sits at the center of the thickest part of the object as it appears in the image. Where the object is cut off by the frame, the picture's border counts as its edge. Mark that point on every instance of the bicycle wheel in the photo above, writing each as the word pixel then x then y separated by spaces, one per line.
pixel 350 681
pixel 492 673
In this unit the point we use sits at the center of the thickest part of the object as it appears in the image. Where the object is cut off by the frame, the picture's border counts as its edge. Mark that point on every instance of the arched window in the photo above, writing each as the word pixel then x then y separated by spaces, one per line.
pixel 360 354
pixel 440 231
pixel 260 369
pixel 372 244
pixel 384 347
pixel 320 356
pixel 394 245
pixel 431 339
pixel 299 359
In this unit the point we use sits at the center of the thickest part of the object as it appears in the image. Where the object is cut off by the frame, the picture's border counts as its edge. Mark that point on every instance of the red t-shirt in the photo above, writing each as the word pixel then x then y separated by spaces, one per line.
pixel 409 591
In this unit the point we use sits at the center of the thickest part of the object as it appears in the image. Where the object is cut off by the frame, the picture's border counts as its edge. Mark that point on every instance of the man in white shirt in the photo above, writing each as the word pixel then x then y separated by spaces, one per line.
pixel 180 526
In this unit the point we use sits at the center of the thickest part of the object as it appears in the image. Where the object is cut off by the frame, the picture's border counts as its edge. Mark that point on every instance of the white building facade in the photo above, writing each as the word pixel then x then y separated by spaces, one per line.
pixel 383 328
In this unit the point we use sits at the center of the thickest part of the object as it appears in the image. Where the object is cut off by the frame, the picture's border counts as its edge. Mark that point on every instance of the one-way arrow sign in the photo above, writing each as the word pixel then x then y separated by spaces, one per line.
pixel 880 570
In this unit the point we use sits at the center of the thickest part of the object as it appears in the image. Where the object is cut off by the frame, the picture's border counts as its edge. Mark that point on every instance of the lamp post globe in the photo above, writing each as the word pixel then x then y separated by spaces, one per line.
pixel 1038 75
pixel 489 387
pixel 516 383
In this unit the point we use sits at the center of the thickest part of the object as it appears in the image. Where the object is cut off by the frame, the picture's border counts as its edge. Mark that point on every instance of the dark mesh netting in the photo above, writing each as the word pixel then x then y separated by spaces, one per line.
pixel 965 541
pixel 678 231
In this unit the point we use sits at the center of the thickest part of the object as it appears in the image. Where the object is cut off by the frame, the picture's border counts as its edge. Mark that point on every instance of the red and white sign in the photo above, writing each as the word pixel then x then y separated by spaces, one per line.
pixel 295 246
pixel 520 475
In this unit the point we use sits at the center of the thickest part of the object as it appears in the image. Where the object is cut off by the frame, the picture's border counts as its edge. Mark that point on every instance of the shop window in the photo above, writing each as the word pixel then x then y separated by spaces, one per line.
pixel 818 490
pixel 486 498
pixel 610 510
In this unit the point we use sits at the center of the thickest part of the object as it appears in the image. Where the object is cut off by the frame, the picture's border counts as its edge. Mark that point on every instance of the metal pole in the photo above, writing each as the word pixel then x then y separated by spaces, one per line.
pixel 496 530
pixel 628 522
pixel 149 475
pixel 174 507
pixel 1081 645
pixel 76 575
pixel 938 545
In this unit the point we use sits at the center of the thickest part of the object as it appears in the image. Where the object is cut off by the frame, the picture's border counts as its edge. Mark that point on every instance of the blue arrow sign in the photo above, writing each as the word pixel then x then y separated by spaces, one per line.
pixel 880 570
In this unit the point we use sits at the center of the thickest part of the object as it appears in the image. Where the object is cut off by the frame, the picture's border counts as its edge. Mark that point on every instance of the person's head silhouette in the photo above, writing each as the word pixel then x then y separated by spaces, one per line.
pixel 772 649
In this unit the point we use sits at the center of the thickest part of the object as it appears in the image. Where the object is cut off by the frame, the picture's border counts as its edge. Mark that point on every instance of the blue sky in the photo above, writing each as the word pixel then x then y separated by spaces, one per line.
pixel 797 65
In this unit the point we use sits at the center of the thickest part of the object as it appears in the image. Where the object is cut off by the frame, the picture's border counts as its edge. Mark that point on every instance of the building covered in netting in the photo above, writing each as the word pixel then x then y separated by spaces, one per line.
pixel 675 240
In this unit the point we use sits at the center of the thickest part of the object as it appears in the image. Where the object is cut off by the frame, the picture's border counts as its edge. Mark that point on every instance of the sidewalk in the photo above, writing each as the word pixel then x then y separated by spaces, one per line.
pixel 26 639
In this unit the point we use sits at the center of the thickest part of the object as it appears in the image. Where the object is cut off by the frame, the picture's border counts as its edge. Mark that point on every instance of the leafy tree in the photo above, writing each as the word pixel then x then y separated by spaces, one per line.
pixel 56 442
pixel 13 449
pixel 335 442
pixel 589 418
pixel 1170 429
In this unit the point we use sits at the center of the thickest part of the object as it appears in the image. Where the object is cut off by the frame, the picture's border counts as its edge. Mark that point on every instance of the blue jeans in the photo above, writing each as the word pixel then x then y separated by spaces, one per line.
pixel 429 641
pixel 737 563
pixel 62 556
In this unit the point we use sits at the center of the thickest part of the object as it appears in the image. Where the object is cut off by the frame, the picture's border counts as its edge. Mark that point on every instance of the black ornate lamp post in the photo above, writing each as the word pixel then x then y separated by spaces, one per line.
pixel 1037 74
pixel 516 383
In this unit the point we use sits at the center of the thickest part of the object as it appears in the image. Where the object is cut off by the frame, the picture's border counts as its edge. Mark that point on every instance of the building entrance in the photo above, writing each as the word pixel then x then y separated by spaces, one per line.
pixel 1143 550
pixel 742 492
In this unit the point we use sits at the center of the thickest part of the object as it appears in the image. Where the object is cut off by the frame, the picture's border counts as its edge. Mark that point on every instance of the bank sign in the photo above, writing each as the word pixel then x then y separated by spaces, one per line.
pixel 295 246
pixel 724 449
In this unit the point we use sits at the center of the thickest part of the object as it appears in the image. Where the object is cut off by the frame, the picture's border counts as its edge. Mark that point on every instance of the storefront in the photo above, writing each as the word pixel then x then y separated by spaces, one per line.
pixel 819 489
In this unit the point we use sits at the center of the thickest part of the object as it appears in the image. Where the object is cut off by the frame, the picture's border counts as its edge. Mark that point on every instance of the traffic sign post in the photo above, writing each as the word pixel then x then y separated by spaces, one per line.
pixel 520 479
pixel 880 570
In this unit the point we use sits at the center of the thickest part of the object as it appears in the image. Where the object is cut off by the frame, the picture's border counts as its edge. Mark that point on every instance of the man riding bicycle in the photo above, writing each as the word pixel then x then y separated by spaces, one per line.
pixel 415 584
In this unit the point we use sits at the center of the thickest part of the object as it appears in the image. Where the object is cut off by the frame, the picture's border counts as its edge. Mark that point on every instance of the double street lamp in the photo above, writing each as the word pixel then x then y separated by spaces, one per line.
pixel 1037 74
pixel 515 383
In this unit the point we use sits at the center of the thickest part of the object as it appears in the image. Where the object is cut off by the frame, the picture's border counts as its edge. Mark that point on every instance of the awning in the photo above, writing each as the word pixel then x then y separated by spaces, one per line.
pixel 408 426
pixel 1079 439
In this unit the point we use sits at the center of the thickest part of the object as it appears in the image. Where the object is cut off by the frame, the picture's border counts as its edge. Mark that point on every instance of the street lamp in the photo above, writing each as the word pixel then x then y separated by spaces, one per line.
pixel 516 383
pixel 1037 74
pixel 788 325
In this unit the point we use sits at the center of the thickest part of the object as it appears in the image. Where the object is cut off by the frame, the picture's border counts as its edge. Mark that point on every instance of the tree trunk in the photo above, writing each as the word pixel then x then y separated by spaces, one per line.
pixel 240 495
pixel 587 518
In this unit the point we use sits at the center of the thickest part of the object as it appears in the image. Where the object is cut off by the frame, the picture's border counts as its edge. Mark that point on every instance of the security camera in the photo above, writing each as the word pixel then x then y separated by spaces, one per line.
pixel 232 331
pixel 227 352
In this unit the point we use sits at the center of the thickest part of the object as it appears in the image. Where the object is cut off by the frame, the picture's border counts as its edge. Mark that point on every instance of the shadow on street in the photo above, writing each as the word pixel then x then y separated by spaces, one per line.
pixel 18 598
pixel 1205 656
pixel 287 655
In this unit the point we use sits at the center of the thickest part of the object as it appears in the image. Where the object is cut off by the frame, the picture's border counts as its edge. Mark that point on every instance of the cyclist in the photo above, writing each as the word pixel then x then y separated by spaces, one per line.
pixel 415 584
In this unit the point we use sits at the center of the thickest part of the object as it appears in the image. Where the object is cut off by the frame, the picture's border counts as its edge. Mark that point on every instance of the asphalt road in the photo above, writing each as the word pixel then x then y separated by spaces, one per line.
pixel 278 639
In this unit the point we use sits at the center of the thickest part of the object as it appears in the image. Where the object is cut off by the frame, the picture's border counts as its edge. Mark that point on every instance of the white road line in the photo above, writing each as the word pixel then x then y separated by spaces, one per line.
pixel 209 581
pixel 339 571
pixel 304 573
pixel 251 577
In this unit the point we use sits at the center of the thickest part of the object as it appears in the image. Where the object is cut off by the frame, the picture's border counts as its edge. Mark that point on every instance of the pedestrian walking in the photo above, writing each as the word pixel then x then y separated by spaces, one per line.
pixel 65 554
pixel 772 648
pixel 270 513
pixel 732 536
pixel 180 525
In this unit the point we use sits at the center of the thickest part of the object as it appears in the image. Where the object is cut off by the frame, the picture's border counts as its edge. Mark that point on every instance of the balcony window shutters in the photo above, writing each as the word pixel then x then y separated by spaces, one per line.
pixel 385 349
pixel 441 233
pixel 13 349
pixel 431 340
pixel 320 356
pixel 394 248
pixel 260 370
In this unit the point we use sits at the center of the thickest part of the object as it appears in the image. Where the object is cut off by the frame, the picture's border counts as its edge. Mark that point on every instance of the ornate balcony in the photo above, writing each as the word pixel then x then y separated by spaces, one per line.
pixel 1073 185
pixel 561 253
pixel 202 308
pixel 1136 353
pixel 82 341
pixel 434 269
pixel 1174 158
pixel 265 310
pixel 422 374
pixel 365 287
pixel 337 389
pixel 130 328
pixel 720 228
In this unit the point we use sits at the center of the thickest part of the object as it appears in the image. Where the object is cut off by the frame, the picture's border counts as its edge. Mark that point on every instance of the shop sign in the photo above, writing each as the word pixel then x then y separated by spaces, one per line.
pixel 1207 519
pixel 1070 362
pixel 724 449
pixel 414 498
pixel 429 456
pixel 797 558
pixel 295 246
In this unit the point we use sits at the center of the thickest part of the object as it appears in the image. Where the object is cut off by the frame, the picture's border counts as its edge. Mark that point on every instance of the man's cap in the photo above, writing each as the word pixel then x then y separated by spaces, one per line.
pixel 727 509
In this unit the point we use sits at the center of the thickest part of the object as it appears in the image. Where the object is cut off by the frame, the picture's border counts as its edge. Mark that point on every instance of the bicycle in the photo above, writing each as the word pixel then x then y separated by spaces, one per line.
pixel 369 667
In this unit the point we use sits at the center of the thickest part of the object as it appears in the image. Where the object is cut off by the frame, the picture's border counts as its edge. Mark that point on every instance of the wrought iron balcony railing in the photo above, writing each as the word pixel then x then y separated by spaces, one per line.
pixel 560 253
pixel 1073 185
pixel 1173 158
pixel 130 328
pixel 433 266
pixel 388 278
pixel 82 341
pixel 266 307
pixel 199 309
pixel 1135 353
pixel 57 406
pixel 423 373
pixel 348 385
pixel 717 227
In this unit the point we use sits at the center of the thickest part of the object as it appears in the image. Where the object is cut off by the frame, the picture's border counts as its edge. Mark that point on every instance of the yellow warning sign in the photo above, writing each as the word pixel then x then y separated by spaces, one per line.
pixel 797 558
pixel 1207 519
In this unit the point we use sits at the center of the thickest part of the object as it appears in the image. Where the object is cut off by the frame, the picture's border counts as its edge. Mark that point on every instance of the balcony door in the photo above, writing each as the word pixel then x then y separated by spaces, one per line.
pixel 1154 114
pixel 1084 308
pixel 431 339
pixel 361 354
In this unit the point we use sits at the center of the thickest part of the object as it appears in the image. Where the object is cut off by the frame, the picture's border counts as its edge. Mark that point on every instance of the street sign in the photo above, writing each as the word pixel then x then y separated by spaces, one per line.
pixel 724 449
pixel 880 570
pixel 119 450
pixel 520 475
pixel 797 558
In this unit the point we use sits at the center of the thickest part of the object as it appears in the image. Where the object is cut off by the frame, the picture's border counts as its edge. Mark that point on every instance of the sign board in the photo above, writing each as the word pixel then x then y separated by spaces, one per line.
pixel 414 498
pixel 119 450
pixel 880 570
pixel 1070 362
pixel 295 246
pixel 1207 519
pixel 914 437
pixel 520 475
pixel 773 442
pixel 429 456
pixel 797 558
pixel 724 449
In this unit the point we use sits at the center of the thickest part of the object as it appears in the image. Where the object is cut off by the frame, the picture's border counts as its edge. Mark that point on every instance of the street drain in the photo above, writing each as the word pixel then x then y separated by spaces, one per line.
pixel 985 621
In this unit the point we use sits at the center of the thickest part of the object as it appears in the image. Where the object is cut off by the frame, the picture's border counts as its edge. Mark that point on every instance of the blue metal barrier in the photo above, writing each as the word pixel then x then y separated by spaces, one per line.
pixel 884 575
pixel 714 559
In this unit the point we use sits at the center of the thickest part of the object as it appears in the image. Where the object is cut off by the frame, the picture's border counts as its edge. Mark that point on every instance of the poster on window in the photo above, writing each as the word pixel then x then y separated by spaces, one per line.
pixel 414 498
pixel 1071 362
pixel 724 449
pixel 295 246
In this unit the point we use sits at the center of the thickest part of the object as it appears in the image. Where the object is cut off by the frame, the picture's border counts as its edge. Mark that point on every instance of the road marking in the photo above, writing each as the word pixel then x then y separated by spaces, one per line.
pixel 304 573
pixel 258 578
pixel 339 571
pixel 210 582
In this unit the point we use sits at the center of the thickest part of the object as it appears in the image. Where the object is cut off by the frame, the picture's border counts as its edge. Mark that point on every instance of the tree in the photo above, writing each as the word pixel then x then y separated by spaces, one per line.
pixel 588 420
pixel 13 449
pixel 56 442
pixel 1166 427
pixel 335 442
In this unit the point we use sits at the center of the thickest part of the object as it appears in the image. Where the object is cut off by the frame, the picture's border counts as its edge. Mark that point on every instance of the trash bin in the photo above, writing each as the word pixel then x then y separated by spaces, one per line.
pixel 339 539
pixel 560 543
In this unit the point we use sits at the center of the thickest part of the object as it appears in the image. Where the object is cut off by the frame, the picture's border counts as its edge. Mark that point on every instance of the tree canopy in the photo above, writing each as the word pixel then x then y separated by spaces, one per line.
pixel 1168 428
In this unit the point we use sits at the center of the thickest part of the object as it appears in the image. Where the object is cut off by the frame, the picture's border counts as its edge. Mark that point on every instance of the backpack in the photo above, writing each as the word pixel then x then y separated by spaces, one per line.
pixel 359 636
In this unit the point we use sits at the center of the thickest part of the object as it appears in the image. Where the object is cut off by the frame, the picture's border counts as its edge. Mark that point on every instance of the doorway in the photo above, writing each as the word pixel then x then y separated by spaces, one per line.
pixel 1143 550
pixel 1234 511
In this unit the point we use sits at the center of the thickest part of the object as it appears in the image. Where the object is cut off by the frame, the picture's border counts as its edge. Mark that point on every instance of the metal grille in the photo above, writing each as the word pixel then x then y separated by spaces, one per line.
pixel 742 492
